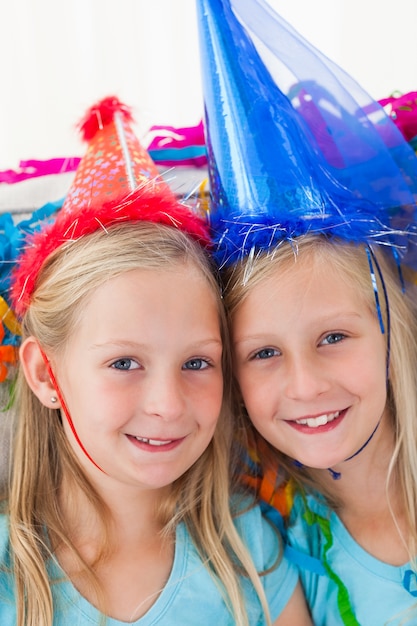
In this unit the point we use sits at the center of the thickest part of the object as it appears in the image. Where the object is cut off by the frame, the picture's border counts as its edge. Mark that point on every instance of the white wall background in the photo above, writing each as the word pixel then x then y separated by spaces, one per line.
pixel 59 56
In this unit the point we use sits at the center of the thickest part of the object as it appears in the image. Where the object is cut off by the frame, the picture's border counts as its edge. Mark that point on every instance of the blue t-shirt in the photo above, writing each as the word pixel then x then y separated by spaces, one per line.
pixel 343 583
pixel 190 596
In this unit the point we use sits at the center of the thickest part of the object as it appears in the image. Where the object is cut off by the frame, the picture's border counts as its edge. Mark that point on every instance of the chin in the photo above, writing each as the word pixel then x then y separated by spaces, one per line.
pixel 323 464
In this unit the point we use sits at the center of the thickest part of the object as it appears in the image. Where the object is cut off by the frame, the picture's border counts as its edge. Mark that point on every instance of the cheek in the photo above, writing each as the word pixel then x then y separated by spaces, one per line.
pixel 370 373
pixel 214 398
pixel 270 428
pixel 96 406
pixel 257 397
pixel 253 381
pixel 379 386
pixel 204 399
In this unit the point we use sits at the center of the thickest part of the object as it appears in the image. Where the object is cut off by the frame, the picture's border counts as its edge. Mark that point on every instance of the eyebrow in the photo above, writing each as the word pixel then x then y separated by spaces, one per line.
pixel 248 339
pixel 127 344
pixel 330 319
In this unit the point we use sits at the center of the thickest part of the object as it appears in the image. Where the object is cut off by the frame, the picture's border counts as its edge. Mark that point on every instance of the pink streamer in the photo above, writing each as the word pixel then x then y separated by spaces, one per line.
pixel 403 111
pixel 181 139
pixel 172 137
pixel 33 168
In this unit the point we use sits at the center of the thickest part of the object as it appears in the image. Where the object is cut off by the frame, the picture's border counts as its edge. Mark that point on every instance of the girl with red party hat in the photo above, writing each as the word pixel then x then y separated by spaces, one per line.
pixel 118 509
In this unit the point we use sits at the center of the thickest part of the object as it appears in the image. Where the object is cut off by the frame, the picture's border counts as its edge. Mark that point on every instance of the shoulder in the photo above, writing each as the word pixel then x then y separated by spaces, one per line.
pixel 309 523
pixel 308 509
pixel 334 566
pixel 263 539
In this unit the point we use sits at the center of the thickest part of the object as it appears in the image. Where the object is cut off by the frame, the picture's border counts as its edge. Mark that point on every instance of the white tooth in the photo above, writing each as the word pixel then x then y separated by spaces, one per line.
pixel 332 416
pixel 321 420
pixel 313 422
pixel 153 442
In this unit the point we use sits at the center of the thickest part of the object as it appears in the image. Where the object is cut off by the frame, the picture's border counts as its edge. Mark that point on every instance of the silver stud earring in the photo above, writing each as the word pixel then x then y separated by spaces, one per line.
pixel 54 399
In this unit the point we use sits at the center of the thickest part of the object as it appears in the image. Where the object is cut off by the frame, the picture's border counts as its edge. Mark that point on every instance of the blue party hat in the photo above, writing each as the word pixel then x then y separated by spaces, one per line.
pixel 295 145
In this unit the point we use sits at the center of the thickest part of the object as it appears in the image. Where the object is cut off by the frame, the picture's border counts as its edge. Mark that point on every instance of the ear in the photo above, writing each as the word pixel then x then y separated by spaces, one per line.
pixel 36 373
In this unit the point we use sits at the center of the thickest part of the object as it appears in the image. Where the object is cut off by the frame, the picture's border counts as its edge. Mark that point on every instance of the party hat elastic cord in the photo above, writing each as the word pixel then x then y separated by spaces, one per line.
pixel 116 183
pixel 65 408
pixel 296 147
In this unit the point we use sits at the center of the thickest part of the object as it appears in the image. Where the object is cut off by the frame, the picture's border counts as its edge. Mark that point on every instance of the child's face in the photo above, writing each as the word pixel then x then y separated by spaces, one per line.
pixel 142 375
pixel 311 363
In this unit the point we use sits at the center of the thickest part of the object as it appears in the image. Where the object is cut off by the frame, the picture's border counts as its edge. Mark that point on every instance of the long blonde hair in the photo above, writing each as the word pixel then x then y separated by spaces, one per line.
pixel 351 263
pixel 42 455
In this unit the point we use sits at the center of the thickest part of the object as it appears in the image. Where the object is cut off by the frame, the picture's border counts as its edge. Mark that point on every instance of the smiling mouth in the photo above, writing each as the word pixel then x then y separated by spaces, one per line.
pixel 320 420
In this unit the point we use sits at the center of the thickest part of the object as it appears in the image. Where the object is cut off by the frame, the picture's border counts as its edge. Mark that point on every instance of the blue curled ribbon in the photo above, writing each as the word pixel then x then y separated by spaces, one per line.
pixel 410 582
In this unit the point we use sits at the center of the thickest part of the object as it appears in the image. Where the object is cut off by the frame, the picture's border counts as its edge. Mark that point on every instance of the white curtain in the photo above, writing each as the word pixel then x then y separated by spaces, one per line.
pixel 58 57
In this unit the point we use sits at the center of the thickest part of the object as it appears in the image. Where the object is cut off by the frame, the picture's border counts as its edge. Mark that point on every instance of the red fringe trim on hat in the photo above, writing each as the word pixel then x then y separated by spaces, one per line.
pixel 146 204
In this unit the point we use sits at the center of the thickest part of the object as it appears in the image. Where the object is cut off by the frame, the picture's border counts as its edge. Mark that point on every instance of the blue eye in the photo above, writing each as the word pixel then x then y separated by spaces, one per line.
pixel 266 353
pixel 332 338
pixel 195 364
pixel 125 364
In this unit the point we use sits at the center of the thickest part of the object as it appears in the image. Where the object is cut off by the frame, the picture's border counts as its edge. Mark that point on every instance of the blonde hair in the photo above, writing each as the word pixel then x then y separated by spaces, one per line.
pixel 352 265
pixel 42 455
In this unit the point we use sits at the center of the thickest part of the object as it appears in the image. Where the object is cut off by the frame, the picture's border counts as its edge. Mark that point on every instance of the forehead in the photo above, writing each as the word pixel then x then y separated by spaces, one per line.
pixel 302 283
pixel 348 262
pixel 179 290
pixel 184 278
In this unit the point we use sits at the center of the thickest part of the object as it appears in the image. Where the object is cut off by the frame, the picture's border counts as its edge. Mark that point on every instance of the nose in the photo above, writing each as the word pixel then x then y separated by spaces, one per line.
pixel 162 395
pixel 305 378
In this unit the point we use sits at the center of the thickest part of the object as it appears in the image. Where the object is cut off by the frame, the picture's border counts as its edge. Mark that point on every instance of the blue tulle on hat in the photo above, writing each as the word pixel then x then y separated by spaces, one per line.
pixel 294 144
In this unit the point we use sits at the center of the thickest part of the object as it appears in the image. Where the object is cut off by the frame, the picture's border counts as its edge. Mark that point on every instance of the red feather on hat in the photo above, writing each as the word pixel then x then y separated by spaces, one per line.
pixel 101 114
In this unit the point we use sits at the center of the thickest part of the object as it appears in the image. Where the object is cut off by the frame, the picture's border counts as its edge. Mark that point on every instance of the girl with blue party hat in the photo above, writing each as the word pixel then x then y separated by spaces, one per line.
pixel 119 509
pixel 314 218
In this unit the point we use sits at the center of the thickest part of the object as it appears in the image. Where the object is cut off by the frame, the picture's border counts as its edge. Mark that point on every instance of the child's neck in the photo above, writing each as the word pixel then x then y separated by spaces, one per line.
pixel 132 512
pixel 365 506
pixel 377 521
pixel 137 559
